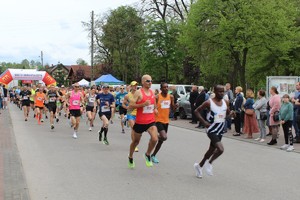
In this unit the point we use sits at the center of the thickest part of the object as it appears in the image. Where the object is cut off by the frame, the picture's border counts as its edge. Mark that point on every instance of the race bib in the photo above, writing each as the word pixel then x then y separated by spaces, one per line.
pixel 92 99
pixel 25 97
pixel 75 102
pixel 148 109
pixel 219 118
pixel 52 99
pixel 40 98
pixel 105 109
pixel 121 100
pixel 165 104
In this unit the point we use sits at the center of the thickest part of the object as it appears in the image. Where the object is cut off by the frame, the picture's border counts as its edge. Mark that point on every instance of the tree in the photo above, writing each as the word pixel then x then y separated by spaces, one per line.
pixel 80 61
pixel 224 36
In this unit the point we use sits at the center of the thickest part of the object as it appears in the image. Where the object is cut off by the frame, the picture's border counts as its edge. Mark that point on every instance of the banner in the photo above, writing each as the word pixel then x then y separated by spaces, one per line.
pixel 26 74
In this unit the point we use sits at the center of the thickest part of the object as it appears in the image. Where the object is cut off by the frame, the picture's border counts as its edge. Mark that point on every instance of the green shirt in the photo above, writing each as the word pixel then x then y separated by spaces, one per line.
pixel 286 112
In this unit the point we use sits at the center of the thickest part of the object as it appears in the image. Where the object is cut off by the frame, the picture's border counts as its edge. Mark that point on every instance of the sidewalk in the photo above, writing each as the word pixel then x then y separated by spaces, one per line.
pixel 12 181
pixel 184 123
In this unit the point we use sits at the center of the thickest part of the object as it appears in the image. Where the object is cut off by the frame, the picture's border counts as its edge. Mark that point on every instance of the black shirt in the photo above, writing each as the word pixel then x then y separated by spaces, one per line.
pixel 25 95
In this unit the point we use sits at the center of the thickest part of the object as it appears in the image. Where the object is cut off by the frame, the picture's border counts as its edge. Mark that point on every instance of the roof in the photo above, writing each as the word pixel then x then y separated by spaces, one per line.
pixel 87 70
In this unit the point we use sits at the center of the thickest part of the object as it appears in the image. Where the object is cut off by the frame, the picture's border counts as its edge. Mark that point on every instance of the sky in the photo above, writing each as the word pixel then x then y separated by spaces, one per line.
pixel 51 26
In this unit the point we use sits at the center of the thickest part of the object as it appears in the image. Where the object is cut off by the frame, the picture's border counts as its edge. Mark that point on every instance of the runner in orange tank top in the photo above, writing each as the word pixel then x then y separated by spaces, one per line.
pixel 164 102
pixel 39 97
pixel 144 101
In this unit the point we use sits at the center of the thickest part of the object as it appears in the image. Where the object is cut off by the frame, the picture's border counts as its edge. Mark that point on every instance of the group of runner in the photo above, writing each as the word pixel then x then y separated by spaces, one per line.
pixel 140 108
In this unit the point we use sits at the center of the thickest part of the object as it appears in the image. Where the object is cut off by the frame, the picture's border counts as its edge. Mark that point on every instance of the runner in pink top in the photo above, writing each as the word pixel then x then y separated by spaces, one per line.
pixel 75 99
pixel 144 101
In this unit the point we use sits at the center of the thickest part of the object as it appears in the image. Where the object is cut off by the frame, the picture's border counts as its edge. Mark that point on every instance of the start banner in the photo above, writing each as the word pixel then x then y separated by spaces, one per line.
pixel 26 74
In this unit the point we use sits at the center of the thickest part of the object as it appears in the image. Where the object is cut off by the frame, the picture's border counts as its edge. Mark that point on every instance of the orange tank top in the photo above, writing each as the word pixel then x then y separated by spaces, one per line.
pixel 39 99
pixel 145 115
pixel 163 108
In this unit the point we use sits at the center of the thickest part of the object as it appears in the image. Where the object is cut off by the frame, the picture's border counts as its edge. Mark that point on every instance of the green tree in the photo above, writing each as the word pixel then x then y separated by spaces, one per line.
pixel 229 39
pixel 80 61
pixel 121 36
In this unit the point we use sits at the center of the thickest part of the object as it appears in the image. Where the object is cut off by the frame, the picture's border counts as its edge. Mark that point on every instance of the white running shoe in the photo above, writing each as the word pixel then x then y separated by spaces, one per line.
pixel 290 148
pixel 261 140
pixel 90 129
pixel 198 170
pixel 284 147
pixel 257 139
pixel 208 168
pixel 74 135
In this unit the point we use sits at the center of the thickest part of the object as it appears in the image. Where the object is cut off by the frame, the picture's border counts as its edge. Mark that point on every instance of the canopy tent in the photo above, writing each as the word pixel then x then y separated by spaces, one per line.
pixel 109 79
pixel 84 82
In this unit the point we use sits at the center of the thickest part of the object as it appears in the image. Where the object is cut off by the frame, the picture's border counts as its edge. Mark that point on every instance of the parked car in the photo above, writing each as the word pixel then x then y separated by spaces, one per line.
pixel 185 107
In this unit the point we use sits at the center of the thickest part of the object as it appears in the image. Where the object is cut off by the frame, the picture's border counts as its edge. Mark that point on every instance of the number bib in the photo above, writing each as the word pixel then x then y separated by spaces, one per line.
pixel 52 99
pixel 165 104
pixel 25 97
pixel 105 109
pixel 121 100
pixel 92 99
pixel 40 98
pixel 75 102
pixel 219 118
pixel 148 109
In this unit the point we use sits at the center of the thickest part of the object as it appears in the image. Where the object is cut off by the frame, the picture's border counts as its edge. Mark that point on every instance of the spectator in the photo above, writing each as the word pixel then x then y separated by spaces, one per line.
pixel 237 107
pixel 260 107
pixel 229 94
pixel 1 95
pixel 176 97
pixel 193 96
pixel 296 112
pixel 199 101
pixel 275 105
pixel 286 114
pixel 250 123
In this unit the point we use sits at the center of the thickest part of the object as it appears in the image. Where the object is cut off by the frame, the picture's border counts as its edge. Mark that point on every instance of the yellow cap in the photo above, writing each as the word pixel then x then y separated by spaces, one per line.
pixel 133 83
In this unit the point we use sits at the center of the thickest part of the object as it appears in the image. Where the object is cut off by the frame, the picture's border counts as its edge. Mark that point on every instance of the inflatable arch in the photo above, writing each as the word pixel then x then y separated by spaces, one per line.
pixel 26 74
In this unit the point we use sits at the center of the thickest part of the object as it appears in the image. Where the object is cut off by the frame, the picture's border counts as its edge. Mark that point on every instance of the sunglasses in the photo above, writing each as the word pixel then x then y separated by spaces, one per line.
pixel 122 88
pixel 76 86
pixel 149 81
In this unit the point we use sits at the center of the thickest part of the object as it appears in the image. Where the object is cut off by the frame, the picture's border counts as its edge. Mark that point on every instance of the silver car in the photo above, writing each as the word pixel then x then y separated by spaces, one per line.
pixel 185 107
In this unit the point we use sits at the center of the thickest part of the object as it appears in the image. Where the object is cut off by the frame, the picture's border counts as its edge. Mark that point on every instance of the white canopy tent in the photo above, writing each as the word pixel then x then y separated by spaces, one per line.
pixel 84 82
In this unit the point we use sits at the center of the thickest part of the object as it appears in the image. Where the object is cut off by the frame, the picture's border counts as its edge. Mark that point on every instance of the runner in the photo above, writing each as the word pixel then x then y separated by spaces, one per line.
pixel 218 109
pixel 164 102
pixel 113 110
pixel 131 113
pixel 33 89
pixel 75 98
pixel 144 101
pixel 122 111
pixel 106 102
pixel 25 98
pixel 39 97
pixel 91 107
pixel 52 96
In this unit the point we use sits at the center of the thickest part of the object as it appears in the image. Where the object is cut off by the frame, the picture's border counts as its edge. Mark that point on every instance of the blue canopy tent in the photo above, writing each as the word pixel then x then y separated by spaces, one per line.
pixel 109 79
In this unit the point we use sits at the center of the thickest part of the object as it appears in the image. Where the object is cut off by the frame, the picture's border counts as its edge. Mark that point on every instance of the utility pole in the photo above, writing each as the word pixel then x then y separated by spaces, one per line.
pixel 42 59
pixel 92 46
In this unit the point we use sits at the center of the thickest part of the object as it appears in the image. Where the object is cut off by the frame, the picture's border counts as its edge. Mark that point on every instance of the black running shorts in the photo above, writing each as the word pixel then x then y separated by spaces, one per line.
pixel 214 138
pixel 122 111
pixel 161 126
pixel 52 108
pixel 75 113
pixel 141 128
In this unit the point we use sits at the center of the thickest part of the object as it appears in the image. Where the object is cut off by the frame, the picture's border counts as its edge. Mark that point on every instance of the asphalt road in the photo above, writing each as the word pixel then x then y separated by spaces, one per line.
pixel 58 167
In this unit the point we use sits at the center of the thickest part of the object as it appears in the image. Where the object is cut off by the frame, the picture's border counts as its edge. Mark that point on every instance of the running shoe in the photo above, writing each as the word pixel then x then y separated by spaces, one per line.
pixel 42 120
pixel 290 148
pixel 100 136
pixel 123 131
pixel 111 122
pixel 154 159
pixel 57 120
pixel 52 126
pixel 25 119
pixel 46 117
pixel 198 170
pixel 208 168
pixel 136 149
pixel 131 165
pixel 284 147
pixel 148 161
pixel 105 141
pixel 74 135
pixel 90 129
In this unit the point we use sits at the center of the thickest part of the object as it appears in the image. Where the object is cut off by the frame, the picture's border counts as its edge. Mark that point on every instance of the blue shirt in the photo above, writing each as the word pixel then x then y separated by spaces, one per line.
pixel 120 98
pixel 297 96
pixel 249 103
pixel 103 99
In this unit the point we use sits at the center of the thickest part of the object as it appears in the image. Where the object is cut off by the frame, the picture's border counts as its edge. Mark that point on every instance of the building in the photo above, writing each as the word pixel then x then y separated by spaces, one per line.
pixel 60 73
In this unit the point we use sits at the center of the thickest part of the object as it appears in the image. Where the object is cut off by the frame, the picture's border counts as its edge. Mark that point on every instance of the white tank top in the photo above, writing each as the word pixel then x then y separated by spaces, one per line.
pixel 217 117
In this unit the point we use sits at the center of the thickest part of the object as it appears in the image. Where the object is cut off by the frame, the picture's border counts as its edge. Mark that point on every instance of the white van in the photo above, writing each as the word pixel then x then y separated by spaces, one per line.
pixel 183 90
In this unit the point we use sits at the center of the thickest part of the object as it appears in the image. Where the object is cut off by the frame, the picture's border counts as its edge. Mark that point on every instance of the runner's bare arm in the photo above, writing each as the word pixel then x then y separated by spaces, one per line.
pixel 203 106
pixel 137 96
pixel 125 102
pixel 173 106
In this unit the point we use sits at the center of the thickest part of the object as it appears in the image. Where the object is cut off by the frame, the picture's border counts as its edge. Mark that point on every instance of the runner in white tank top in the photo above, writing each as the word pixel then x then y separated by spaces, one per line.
pixel 218 109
